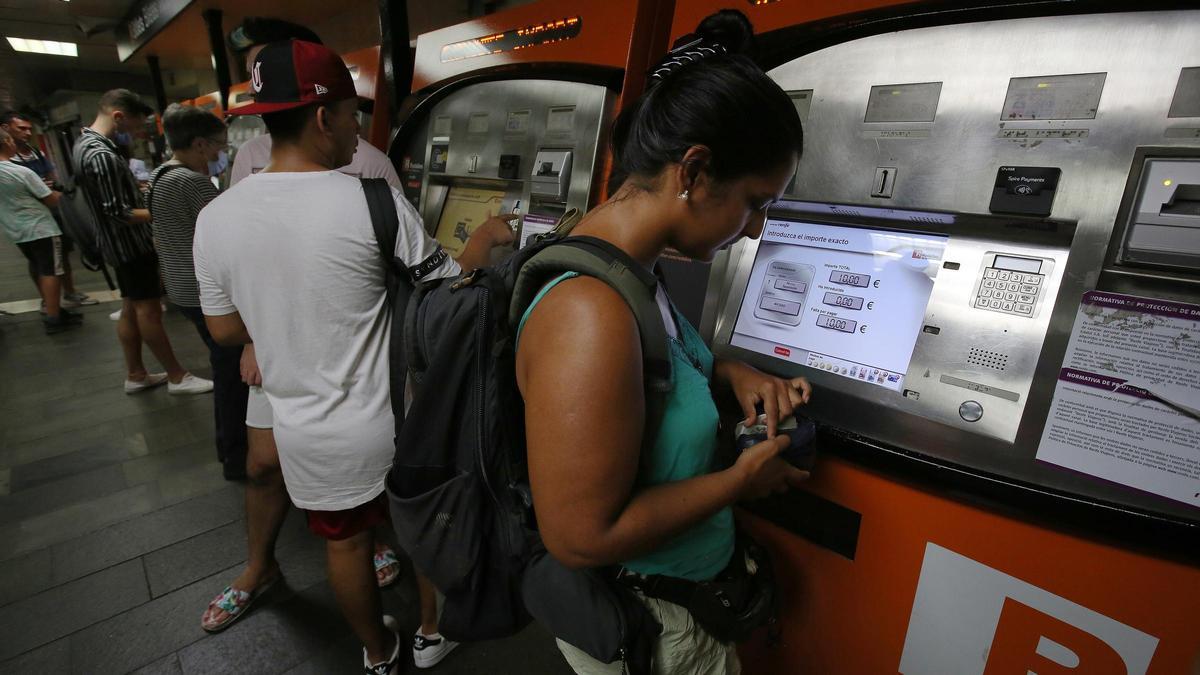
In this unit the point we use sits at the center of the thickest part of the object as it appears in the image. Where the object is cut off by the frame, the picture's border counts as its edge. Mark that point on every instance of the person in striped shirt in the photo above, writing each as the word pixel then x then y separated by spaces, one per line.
pixel 178 190
pixel 127 242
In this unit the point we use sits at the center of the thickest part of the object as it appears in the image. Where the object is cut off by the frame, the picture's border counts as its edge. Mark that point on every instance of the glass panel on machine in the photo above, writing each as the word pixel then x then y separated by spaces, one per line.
pixel 1054 97
pixel 903 102
pixel 1186 102
pixel 465 210
pixel 847 300
pixel 1012 263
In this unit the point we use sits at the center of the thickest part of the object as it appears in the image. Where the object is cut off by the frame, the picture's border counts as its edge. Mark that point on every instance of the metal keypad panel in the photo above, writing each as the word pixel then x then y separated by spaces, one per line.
pixel 1010 292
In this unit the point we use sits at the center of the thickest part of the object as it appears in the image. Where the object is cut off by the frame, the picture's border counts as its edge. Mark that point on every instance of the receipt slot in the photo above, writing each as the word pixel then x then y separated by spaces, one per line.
pixel 551 174
pixel 1164 227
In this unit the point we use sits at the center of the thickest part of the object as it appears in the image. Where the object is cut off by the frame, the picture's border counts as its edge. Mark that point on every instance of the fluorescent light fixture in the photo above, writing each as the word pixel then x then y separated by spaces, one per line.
pixel 44 47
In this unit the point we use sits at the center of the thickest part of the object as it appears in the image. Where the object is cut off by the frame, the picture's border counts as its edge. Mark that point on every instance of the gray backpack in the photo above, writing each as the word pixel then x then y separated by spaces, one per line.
pixel 80 219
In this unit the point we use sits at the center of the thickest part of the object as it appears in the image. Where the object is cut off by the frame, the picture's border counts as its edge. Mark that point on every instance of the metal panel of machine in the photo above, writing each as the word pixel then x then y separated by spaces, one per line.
pixel 981 377
pixel 534 140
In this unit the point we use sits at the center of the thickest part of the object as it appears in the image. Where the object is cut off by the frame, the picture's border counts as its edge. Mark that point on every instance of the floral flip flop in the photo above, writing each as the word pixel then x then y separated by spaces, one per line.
pixel 386 562
pixel 234 603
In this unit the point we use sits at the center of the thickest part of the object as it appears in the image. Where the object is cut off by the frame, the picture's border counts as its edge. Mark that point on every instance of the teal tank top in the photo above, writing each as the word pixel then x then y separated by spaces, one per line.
pixel 683 448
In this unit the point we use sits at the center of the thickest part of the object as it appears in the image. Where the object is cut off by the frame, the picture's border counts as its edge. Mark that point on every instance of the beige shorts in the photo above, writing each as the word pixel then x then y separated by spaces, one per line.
pixel 683 648
pixel 258 410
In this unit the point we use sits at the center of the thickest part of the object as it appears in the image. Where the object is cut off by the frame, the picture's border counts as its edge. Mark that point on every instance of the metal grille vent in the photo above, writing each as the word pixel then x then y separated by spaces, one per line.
pixel 987 359
pixel 924 219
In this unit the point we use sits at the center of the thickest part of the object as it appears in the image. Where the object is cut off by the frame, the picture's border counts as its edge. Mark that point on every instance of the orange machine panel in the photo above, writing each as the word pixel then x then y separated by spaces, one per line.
pixel 951 588
pixel 771 15
pixel 604 36
pixel 210 102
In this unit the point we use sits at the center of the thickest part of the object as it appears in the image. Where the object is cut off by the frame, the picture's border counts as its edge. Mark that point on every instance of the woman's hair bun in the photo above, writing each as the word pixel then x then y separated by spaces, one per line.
pixel 728 28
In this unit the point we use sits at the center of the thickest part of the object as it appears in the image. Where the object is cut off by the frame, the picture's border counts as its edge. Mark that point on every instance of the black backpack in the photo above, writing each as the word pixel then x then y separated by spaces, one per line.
pixel 460 501
pixel 80 219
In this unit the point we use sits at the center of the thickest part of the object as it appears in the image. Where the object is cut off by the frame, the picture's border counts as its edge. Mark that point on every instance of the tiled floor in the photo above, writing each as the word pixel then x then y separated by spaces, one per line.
pixel 116 526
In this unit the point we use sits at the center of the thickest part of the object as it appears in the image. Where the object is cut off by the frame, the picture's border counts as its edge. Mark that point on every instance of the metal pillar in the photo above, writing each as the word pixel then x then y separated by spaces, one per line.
pixel 396 54
pixel 160 97
pixel 160 92
pixel 216 42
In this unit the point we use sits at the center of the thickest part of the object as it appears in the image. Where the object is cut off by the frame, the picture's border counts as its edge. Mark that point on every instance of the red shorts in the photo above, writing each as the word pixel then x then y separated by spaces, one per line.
pixel 337 525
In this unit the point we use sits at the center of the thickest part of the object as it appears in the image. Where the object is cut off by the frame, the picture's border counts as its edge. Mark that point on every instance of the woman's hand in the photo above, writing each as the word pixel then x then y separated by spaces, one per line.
pixel 751 386
pixel 249 367
pixel 761 472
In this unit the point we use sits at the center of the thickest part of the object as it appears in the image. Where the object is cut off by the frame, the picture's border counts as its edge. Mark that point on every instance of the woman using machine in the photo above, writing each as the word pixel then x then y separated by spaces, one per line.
pixel 698 160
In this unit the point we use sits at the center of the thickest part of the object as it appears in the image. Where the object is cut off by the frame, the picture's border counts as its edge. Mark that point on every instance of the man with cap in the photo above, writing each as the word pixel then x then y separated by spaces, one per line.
pixel 288 257
pixel 267 500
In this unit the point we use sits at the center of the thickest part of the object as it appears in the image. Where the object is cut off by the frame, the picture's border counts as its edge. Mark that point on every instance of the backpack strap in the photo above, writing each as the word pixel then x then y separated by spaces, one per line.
pixel 397 280
pixel 635 284
pixel 162 171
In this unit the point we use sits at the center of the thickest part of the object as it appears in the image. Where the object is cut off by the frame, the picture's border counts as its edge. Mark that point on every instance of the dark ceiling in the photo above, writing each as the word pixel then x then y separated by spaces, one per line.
pixel 30 80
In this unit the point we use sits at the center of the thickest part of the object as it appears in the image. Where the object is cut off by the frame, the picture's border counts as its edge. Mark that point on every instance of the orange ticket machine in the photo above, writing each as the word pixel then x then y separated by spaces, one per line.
pixel 510 111
pixel 988 266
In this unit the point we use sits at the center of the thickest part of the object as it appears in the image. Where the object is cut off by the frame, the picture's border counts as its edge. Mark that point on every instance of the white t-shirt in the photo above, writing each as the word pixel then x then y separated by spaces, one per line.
pixel 369 162
pixel 296 256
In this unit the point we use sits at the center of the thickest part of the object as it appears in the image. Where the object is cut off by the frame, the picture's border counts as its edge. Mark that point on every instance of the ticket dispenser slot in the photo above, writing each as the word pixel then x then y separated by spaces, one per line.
pixel 1164 226
pixel 551 174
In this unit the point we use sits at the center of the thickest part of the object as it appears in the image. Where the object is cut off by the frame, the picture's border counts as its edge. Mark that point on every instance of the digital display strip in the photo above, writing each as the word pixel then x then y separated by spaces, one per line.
pixel 514 39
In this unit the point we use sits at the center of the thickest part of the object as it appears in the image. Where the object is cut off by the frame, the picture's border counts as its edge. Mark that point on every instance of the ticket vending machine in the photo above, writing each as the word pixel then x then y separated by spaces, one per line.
pixel 988 266
pixel 514 110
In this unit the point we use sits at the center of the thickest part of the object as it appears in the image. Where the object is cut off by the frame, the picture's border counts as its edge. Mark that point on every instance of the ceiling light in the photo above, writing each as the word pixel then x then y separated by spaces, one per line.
pixel 44 47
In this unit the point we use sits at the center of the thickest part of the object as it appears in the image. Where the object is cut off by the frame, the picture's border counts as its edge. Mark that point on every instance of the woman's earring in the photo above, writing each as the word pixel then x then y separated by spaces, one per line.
pixel 683 195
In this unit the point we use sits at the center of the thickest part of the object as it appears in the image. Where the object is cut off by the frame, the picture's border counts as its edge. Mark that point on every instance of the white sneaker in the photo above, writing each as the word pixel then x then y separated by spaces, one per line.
pixel 429 650
pixel 115 316
pixel 152 380
pixel 392 665
pixel 190 384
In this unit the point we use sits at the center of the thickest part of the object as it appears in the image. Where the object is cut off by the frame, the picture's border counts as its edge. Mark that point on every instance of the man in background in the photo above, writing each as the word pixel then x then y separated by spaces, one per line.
pixel 267 500
pixel 179 189
pixel 28 156
pixel 25 203
pixel 127 243
pixel 289 258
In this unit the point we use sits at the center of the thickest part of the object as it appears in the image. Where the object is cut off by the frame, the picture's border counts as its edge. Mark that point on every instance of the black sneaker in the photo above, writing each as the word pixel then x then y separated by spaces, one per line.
pixel 58 324
pixel 64 313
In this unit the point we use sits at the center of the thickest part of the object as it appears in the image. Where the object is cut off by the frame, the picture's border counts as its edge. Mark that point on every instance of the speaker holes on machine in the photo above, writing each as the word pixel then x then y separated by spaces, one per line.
pixel 987 359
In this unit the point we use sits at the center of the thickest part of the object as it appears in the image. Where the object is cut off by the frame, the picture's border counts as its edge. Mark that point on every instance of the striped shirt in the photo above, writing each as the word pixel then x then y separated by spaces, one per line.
pixel 110 187
pixel 176 196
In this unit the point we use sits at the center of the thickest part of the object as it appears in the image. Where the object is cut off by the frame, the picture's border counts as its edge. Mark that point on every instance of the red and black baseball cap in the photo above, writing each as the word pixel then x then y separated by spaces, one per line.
pixel 294 73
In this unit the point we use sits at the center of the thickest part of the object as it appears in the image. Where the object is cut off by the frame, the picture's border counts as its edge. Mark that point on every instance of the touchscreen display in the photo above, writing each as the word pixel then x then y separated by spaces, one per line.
pixel 847 300
pixel 465 210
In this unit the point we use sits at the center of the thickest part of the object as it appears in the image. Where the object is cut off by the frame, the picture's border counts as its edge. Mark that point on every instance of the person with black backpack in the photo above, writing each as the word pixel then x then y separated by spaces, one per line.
pixel 557 461
pixel 127 242
pixel 290 257
pixel 698 159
